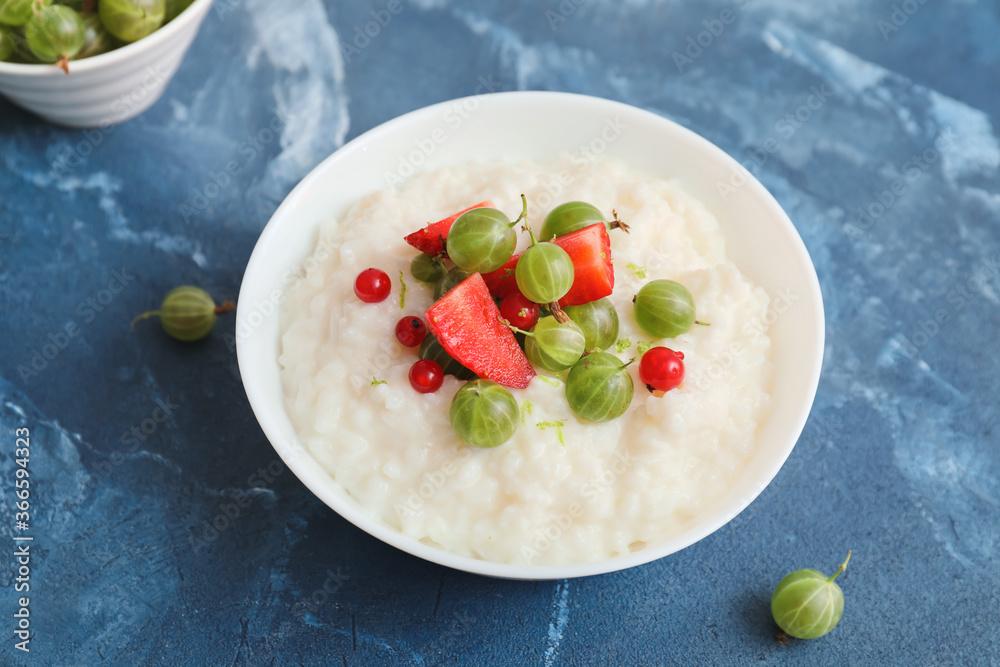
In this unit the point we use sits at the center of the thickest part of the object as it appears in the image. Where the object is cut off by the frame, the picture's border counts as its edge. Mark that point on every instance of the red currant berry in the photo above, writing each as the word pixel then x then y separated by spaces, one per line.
pixel 410 331
pixel 372 285
pixel 521 313
pixel 426 376
pixel 661 369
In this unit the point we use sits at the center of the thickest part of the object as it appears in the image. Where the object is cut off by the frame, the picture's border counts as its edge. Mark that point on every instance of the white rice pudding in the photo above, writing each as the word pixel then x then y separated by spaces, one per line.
pixel 561 490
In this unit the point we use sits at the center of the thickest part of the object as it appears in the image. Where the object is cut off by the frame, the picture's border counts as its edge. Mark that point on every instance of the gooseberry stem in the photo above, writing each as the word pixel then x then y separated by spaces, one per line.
pixel 524 212
pixel 515 329
pixel 225 307
pixel 616 223
pixel 704 324
pixel 843 566
pixel 557 312
pixel 146 315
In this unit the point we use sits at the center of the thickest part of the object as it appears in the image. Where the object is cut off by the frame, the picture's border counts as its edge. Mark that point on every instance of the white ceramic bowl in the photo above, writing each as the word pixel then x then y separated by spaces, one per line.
pixel 540 126
pixel 106 89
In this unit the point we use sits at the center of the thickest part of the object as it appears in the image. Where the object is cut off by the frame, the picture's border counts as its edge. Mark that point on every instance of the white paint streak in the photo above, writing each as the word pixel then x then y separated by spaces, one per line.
pixel 309 90
pixel 560 617
pixel 107 189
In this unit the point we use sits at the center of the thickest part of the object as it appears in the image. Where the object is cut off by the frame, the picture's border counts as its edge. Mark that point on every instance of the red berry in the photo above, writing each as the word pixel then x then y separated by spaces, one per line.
pixel 410 331
pixel 661 369
pixel 372 285
pixel 519 311
pixel 426 376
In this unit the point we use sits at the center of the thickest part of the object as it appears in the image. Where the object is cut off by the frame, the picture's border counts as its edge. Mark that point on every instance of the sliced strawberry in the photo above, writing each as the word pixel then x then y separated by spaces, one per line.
pixel 590 250
pixel 431 238
pixel 502 281
pixel 467 324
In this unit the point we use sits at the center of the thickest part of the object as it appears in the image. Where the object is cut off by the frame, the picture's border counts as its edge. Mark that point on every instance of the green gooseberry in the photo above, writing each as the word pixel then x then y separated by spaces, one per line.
pixel 18 12
pixel 97 39
pixel 427 269
pixel 187 313
pixel 575 215
pixel 599 387
pixel 6 43
pixel 484 413
pixel 554 345
pixel 131 20
pixel 664 308
pixel 545 272
pixel 807 604
pixel 599 322
pixel 55 33
pixel 483 239
pixel 174 8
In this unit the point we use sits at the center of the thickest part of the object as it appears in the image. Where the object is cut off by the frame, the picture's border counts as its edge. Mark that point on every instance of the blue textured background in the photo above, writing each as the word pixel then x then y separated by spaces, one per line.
pixel 899 460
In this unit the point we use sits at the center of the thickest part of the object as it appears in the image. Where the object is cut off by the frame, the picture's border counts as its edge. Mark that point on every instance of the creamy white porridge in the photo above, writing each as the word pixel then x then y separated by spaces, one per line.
pixel 561 491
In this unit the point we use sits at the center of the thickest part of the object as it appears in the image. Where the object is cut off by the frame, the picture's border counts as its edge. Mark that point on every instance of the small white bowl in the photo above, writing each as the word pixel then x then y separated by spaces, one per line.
pixel 109 88
pixel 761 240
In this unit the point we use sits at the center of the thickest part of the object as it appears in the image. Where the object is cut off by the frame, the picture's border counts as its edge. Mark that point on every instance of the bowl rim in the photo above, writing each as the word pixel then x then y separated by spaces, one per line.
pixel 116 56
pixel 318 481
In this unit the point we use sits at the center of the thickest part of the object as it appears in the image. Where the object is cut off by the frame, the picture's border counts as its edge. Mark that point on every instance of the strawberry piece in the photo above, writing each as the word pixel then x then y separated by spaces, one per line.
pixel 431 238
pixel 590 250
pixel 466 322
pixel 502 281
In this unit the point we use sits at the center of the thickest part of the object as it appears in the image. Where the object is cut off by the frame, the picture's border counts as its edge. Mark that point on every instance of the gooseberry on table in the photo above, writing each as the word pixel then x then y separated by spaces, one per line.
pixel 807 604
pixel 188 313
